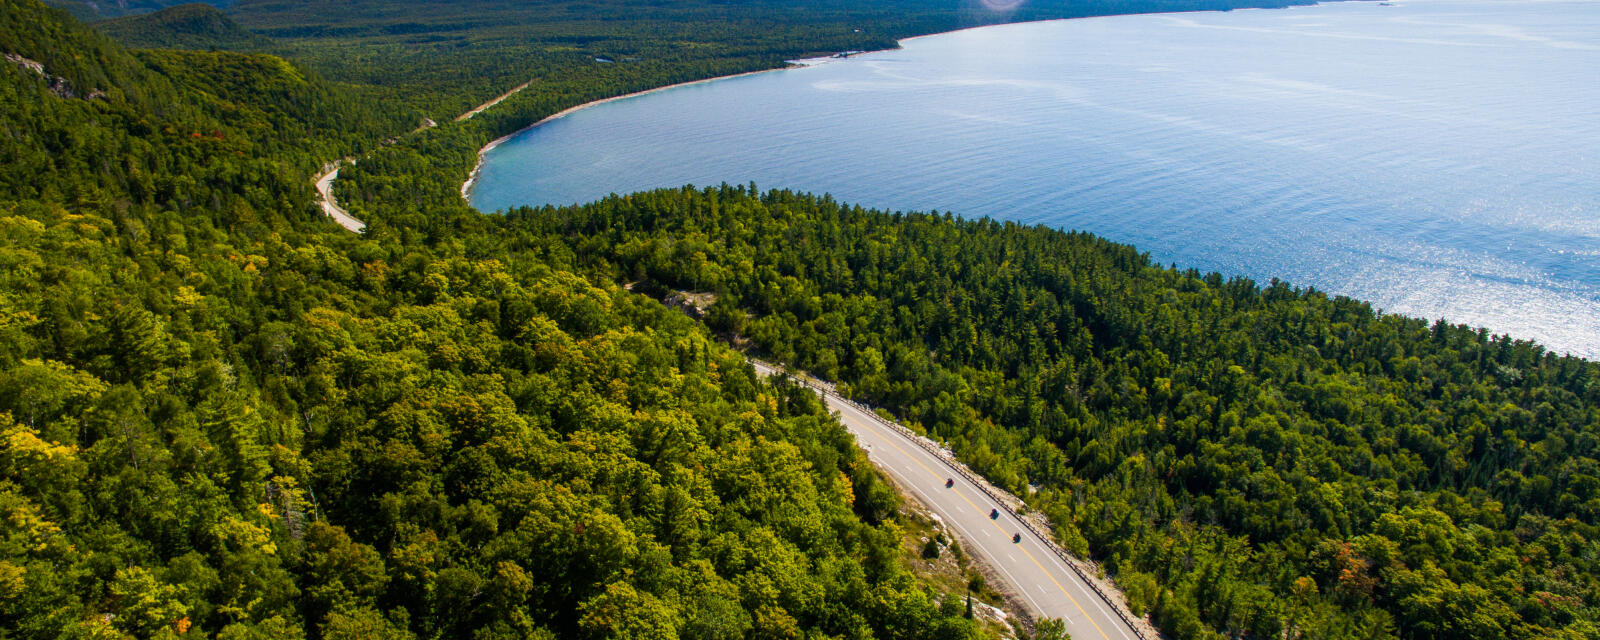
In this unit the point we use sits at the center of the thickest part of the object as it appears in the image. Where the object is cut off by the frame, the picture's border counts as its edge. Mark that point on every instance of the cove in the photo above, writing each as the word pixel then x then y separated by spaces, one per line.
pixel 1435 157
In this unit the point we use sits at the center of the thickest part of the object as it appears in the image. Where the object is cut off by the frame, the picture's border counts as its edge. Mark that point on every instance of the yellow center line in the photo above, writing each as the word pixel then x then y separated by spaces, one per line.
pixel 1024 550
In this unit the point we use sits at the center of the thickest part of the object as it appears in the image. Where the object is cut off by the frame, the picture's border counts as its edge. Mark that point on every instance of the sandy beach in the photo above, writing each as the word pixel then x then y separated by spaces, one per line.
pixel 472 178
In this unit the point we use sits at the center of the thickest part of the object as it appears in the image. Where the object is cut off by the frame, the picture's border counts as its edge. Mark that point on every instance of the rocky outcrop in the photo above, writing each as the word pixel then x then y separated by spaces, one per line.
pixel 58 85
pixel 693 303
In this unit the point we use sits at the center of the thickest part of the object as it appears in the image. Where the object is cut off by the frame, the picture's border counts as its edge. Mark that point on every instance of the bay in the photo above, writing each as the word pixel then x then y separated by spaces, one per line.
pixel 1435 157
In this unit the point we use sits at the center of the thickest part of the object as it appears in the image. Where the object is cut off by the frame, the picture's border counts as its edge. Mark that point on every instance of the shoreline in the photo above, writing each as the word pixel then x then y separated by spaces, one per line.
pixel 477 168
pixel 472 178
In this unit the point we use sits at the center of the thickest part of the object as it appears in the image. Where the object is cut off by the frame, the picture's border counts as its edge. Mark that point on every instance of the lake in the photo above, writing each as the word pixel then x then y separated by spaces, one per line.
pixel 1440 158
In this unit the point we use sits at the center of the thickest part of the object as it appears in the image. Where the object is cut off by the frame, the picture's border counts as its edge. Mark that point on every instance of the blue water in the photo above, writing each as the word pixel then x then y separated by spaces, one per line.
pixel 1440 158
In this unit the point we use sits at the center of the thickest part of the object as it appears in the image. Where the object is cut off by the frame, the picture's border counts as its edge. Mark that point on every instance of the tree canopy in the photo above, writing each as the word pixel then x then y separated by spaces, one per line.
pixel 222 415
pixel 1247 459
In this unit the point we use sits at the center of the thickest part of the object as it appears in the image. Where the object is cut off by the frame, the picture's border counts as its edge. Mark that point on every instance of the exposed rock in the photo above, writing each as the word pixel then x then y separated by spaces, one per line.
pixel 690 302
pixel 36 67
pixel 58 84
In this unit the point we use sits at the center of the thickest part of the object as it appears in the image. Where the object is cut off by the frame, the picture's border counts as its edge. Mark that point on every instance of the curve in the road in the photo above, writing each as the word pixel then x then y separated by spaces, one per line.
pixel 1033 567
pixel 331 171
pixel 332 208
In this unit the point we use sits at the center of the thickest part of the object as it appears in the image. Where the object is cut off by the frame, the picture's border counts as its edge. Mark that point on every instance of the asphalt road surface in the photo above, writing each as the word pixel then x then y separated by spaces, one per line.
pixel 1031 570
pixel 331 208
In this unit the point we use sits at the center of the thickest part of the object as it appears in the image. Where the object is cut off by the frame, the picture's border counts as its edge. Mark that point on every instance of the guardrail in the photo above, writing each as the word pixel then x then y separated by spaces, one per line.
pixel 948 457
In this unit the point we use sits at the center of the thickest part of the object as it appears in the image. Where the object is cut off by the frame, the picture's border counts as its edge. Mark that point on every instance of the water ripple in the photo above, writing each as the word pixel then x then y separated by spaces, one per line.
pixel 1434 157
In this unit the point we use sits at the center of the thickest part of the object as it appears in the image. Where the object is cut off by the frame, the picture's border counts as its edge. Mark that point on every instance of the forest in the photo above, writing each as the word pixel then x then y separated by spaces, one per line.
pixel 223 416
pixel 1250 461
pixel 442 58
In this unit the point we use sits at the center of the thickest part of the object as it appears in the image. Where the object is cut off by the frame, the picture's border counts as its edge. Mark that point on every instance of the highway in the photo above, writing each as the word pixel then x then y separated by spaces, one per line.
pixel 1033 573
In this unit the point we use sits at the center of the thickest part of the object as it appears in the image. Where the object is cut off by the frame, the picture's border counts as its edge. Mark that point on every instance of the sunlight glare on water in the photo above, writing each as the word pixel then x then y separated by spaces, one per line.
pixel 1001 6
pixel 1436 157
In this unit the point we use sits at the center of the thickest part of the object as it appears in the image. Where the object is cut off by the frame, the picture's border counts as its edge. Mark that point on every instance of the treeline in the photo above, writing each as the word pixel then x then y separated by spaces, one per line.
pixel 1260 461
pixel 223 416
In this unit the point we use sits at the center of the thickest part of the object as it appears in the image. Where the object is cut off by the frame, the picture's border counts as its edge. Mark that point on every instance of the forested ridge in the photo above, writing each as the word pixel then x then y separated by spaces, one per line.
pixel 1248 460
pixel 221 415
pixel 187 26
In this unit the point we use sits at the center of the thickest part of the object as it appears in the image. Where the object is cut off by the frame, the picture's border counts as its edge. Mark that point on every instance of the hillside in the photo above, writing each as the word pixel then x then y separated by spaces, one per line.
pixel 224 416
pixel 187 26
pixel 90 10
pixel 1252 460
pixel 167 131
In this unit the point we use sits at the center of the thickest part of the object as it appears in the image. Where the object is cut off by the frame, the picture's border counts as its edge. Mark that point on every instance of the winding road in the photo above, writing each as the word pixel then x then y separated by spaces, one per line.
pixel 1030 566
pixel 332 208
pixel 1033 572
pixel 331 170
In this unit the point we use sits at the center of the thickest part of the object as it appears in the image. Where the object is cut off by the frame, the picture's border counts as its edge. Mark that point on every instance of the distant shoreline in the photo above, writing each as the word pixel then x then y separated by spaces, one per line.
pixel 477 169
pixel 472 178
